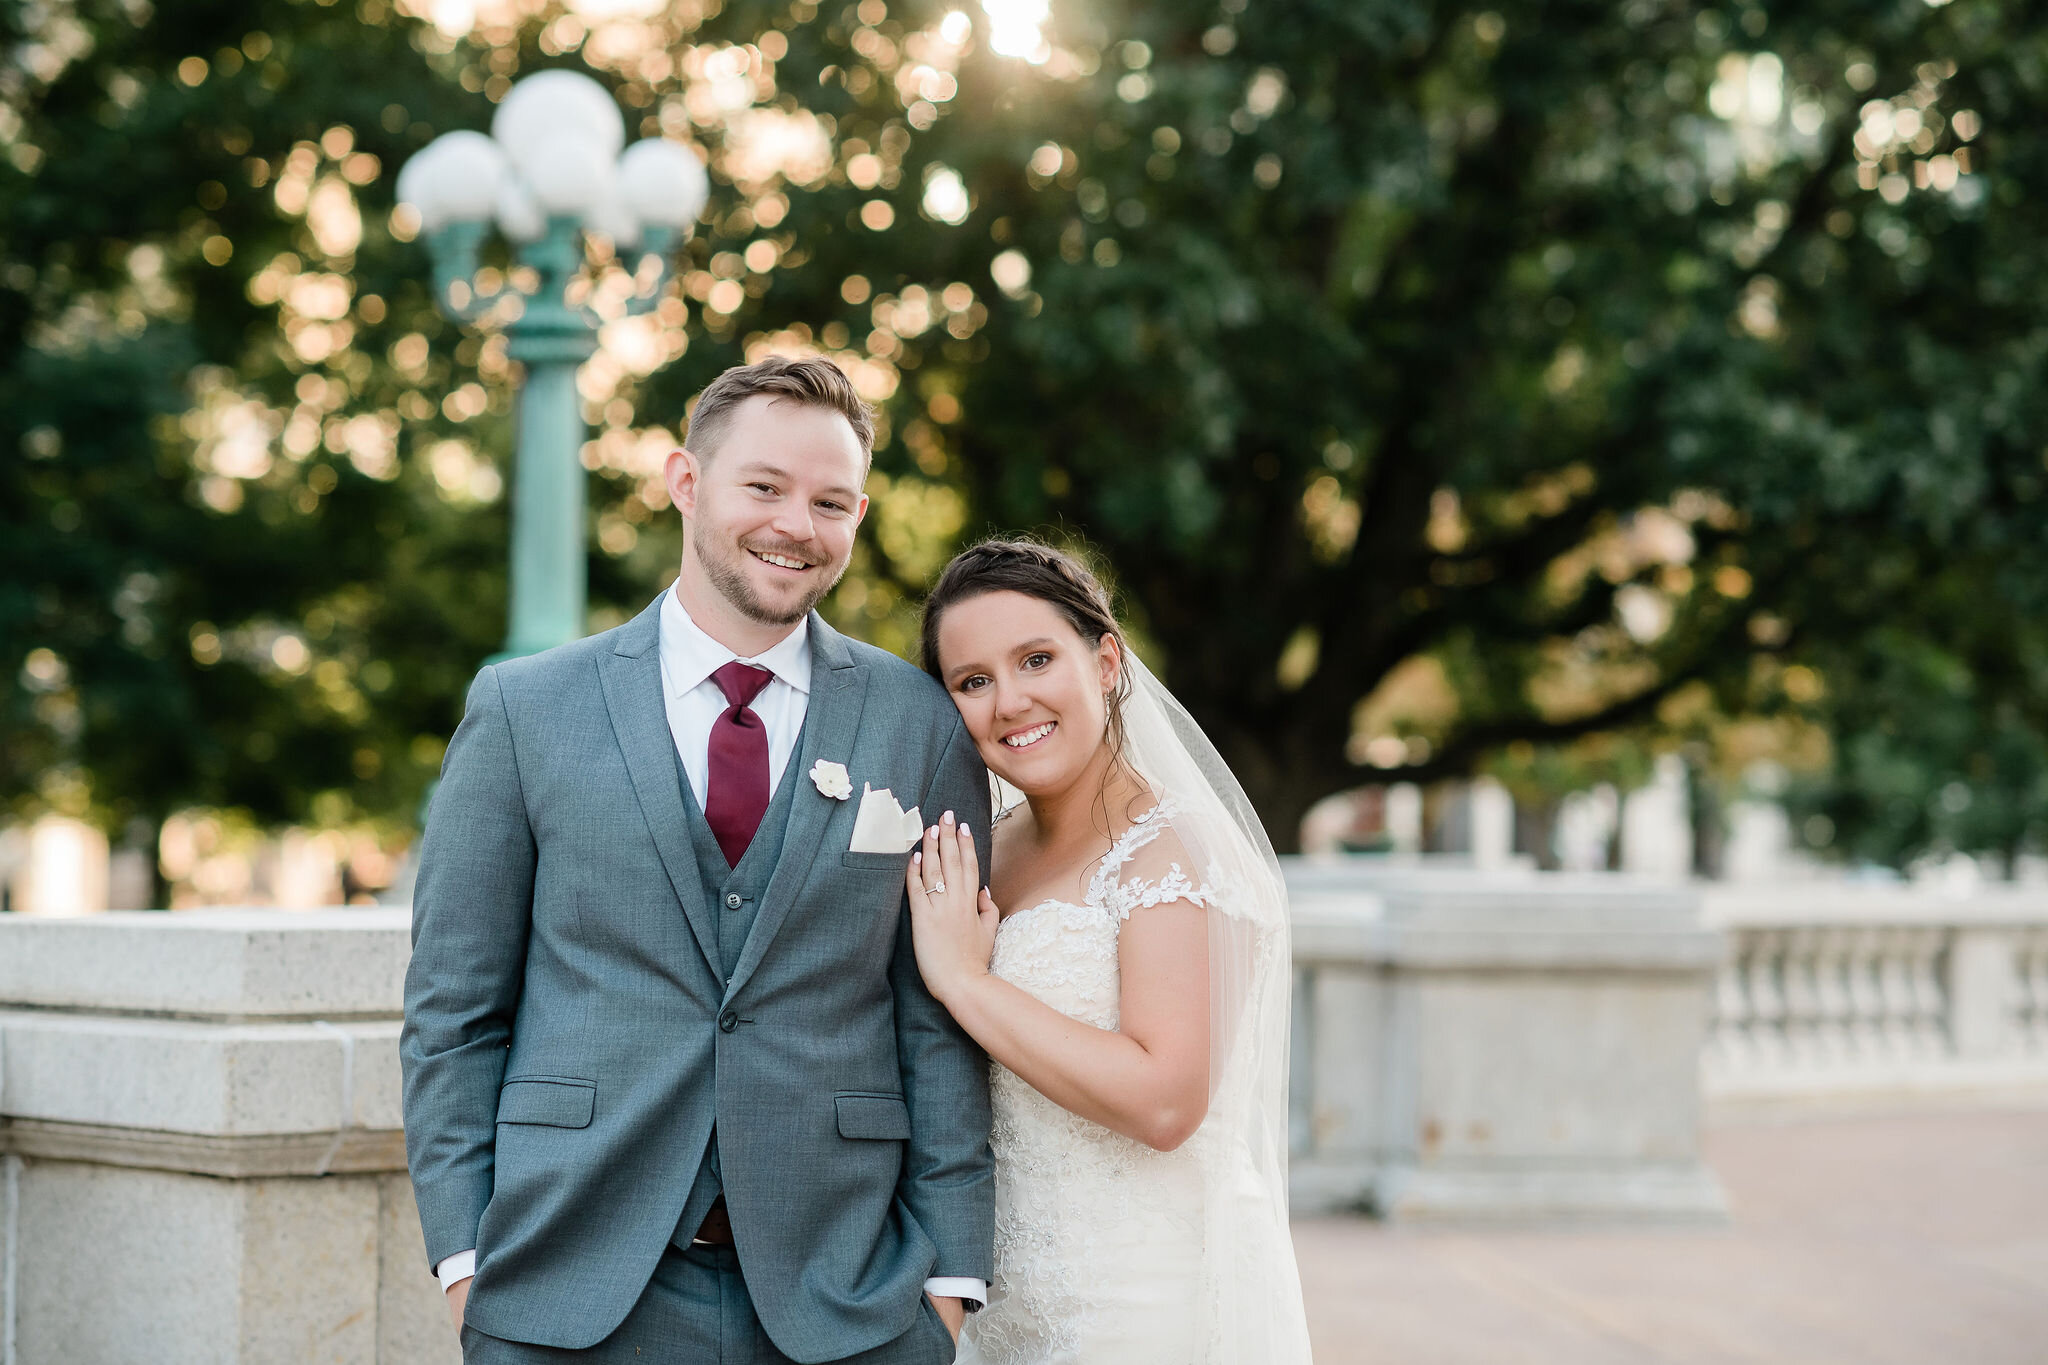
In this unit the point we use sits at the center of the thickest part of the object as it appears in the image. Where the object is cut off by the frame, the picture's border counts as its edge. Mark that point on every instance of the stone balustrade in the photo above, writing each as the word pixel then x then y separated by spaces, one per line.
pixel 1837 995
pixel 1498 1044
pixel 200 1124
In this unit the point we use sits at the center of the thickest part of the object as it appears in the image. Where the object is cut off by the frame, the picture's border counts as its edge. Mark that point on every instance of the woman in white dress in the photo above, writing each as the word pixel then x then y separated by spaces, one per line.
pixel 1127 971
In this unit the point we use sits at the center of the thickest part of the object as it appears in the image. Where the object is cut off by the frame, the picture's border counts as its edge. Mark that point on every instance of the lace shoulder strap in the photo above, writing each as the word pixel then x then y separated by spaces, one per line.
pixel 1121 886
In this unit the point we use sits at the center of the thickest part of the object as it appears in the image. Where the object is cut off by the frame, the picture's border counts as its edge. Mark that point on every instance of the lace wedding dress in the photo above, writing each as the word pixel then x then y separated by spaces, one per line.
pixel 1109 1252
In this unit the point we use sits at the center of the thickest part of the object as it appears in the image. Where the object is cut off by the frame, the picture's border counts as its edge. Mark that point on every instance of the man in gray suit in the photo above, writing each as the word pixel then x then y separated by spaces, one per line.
pixel 674 1090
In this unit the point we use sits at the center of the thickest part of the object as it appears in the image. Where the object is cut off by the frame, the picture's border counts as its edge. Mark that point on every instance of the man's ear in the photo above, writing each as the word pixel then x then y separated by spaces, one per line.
pixel 683 471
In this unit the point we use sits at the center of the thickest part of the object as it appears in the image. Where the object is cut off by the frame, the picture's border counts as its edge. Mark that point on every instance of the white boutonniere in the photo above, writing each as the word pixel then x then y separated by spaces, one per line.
pixel 831 779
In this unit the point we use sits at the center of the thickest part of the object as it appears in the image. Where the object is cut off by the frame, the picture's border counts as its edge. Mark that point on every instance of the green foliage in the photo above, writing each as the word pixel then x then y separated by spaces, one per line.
pixel 218 582
pixel 1942 743
pixel 1562 344
pixel 1577 349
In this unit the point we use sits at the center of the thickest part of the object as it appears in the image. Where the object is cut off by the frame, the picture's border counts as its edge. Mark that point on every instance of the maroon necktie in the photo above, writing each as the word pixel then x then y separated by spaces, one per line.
pixel 737 766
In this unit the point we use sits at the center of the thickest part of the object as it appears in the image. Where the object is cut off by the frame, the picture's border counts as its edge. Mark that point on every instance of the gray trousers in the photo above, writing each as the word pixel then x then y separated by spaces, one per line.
pixel 696 1311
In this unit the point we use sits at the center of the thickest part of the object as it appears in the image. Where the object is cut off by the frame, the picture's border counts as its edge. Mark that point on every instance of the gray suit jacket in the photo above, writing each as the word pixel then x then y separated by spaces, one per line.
pixel 569 1043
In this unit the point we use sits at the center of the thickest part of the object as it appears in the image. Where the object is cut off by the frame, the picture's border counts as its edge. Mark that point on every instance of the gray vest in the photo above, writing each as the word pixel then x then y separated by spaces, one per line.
pixel 735 892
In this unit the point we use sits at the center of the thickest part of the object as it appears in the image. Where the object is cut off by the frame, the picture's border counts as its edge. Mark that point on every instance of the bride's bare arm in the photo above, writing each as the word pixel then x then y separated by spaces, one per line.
pixel 1148 1078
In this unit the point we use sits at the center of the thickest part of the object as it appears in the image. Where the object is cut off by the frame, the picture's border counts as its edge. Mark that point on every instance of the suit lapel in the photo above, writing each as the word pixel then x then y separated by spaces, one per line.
pixel 839 689
pixel 631 677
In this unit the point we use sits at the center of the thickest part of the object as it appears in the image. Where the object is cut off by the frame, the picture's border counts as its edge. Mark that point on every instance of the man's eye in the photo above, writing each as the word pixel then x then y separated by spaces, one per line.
pixel 833 505
pixel 762 487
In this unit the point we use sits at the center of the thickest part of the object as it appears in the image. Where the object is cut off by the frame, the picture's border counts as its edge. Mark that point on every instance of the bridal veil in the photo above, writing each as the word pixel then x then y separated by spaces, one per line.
pixel 1250 1287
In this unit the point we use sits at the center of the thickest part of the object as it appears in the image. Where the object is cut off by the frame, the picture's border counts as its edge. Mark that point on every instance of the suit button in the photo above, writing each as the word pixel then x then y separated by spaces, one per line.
pixel 728 1021
pixel 732 900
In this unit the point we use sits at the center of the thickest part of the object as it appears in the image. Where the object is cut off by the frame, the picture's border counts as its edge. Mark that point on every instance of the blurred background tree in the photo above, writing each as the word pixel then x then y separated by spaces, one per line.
pixel 1941 738
pixel 228 578
pixel 1444 386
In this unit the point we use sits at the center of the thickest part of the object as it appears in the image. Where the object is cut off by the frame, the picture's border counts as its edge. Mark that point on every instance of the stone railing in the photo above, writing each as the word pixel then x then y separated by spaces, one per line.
pixel 1857 995
pixel 203 1162
pixel 200 1133
pixel 1488 1045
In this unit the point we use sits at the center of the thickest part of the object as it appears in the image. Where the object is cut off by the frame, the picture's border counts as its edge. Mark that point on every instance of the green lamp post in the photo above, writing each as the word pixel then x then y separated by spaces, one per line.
pixel 550 173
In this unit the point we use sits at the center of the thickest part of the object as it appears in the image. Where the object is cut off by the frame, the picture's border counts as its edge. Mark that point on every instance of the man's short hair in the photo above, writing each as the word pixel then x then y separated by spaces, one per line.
pixel 813 381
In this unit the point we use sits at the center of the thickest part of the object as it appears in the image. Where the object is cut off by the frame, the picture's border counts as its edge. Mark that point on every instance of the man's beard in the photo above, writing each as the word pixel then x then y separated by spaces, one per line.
pixel 729 577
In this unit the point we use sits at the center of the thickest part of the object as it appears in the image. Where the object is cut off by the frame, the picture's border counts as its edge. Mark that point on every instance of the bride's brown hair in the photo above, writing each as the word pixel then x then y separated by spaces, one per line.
pixel 1053 576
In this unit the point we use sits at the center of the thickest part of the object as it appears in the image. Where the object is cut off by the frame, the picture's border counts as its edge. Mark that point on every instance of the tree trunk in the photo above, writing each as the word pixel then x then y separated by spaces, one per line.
pixel 1282 786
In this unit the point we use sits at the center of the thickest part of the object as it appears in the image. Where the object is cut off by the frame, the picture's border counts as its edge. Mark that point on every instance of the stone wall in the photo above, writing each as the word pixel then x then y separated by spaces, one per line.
pixel 204 1164
pixel 1503 1045
pixel 200 1124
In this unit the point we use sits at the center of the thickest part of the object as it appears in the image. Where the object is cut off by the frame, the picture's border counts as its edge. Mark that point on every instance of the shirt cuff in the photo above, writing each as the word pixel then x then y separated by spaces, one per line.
pixel 958 1287
pixel 460 1267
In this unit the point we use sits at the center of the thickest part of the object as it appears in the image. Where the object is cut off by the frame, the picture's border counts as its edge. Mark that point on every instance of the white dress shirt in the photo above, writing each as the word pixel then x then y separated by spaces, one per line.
pixel 692 697
pixel 688 659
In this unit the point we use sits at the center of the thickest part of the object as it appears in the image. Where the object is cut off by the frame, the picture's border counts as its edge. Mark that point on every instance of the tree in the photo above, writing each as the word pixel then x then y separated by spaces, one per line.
pixel 222 584
pixel 1587 353
pixel 1562 365
pixel 1941 739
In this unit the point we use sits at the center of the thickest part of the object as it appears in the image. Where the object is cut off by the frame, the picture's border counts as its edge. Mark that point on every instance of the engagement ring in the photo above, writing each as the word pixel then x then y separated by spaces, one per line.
pixel 936 889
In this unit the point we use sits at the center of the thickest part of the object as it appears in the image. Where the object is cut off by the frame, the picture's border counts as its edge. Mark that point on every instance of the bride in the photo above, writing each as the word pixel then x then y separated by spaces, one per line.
pixel 1127 970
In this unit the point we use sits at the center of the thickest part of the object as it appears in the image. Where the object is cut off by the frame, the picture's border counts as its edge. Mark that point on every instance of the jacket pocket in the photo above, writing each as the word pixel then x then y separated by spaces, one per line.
pixel 877 862
pixel 557 1102
pixel 880 1117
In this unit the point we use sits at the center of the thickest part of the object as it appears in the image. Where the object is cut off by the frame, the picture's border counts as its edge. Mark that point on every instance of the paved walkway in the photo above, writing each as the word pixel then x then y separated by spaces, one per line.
pixel 1870 1241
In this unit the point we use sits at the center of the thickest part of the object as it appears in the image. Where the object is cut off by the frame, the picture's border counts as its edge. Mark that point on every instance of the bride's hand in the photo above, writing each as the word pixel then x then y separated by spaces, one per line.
pixel 952 918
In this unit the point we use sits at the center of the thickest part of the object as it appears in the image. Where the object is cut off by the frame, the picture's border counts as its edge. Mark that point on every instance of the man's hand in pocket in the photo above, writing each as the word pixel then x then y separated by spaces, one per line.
pixel 952 1312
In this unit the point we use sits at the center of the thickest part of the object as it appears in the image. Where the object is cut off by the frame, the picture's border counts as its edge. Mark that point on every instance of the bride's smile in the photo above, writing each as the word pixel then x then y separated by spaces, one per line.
pixel 1024 739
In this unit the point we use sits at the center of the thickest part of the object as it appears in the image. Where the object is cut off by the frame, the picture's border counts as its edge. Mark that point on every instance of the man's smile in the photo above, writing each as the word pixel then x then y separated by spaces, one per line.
pixel 780 561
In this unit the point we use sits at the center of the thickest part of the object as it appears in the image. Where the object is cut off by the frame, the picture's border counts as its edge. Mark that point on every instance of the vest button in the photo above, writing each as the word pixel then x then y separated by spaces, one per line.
pixel 728 1021
pixel 732 900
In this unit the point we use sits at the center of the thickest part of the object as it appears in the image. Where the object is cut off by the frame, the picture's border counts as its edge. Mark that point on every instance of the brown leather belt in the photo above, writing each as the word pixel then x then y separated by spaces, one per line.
pixel 716 1229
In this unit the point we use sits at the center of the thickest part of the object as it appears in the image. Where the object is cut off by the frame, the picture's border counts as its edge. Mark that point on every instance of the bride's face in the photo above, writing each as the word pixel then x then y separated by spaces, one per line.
pixel 1031 688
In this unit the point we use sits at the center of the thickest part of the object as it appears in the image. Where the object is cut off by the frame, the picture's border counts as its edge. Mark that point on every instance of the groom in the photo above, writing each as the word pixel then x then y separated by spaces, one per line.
pixel 674 1090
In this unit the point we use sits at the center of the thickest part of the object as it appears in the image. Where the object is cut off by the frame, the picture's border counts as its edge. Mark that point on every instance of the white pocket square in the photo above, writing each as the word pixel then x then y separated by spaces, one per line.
pixel 882 826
